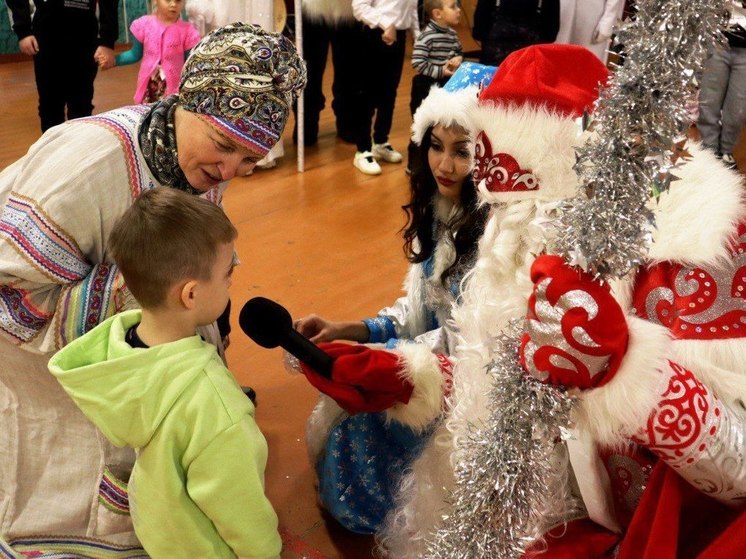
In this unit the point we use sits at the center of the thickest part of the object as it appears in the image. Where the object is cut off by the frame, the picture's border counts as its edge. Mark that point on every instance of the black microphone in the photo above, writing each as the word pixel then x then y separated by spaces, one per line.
pixel 269 324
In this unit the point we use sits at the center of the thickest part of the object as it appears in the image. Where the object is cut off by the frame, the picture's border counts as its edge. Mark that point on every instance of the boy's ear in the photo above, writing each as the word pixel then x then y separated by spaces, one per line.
pixel 187 295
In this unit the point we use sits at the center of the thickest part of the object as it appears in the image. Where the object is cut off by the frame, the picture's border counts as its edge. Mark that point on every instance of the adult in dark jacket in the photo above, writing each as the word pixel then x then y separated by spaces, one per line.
pixel 65 38
pixel 502 26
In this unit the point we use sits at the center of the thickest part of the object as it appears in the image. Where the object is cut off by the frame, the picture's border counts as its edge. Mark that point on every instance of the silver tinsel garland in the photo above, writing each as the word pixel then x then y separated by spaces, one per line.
pixel 505 481
pixel 496 509
pixel 639 121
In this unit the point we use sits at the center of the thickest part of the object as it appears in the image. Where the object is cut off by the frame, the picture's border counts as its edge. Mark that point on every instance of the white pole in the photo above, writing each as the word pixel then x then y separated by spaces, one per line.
pixel 300 112
pixel 126 22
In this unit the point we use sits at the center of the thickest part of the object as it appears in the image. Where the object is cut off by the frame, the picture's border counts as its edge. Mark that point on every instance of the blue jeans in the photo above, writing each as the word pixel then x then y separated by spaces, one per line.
pixel 722 99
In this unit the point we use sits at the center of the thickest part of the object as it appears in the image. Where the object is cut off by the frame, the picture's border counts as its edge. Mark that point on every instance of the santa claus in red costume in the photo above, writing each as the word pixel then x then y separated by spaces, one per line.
pixel 656 465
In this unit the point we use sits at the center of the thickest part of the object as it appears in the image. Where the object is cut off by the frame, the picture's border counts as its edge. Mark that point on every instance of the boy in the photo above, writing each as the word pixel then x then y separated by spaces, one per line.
pixel 148 381
pixel 436 55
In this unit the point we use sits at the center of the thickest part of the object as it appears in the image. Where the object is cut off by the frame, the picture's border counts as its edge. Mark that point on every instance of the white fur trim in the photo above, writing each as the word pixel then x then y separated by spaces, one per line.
pixel 329 11
pixel 540 141
pixel 445 252
pixel 716 363
pixel 415 287
pixel 443 257
pixel 421 501
pixel 427 293
pixel 616 410
pixel 445 208
pixel 622 288
pixel 708 195
pixel 320 423
pixel 422 369
pixel 593 480
pixel 447 108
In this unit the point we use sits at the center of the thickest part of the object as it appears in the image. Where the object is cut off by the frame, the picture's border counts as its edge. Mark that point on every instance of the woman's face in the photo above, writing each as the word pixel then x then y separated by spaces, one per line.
pixel 450 159
pixel 206 156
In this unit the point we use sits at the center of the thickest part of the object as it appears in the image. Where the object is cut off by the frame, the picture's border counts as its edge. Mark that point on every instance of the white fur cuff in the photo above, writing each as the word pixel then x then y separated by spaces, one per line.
pixel 421 368
pixel 323 418
pixel 618 409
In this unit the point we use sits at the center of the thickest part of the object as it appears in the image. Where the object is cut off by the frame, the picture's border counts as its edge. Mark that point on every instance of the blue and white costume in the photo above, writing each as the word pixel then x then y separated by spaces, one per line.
pixel 360 459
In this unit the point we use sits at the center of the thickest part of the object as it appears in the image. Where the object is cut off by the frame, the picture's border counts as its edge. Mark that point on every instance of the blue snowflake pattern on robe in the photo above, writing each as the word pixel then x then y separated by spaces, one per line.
pixel 359 471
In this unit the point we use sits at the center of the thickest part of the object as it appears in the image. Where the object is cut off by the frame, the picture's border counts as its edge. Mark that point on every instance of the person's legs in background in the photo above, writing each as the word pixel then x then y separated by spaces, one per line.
pixel 421 85
pixel 734 107
pixel 315 50
pixel 713 87
pixel 347 44
pixel 80 74
pixel 391 60
pixel 49 74
pixel 370 64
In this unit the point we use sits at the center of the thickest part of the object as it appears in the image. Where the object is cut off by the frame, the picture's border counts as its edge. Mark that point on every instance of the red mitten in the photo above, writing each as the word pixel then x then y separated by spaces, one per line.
pixel 575 333
pixel 363 379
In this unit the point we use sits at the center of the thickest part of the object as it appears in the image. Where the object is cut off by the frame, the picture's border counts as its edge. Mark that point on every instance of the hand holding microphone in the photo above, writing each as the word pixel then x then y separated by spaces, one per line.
pixel 270 325
pixel 358 378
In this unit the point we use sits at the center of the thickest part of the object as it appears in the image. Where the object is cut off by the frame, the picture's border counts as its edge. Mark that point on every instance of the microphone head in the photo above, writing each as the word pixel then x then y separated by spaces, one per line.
pixel 265 322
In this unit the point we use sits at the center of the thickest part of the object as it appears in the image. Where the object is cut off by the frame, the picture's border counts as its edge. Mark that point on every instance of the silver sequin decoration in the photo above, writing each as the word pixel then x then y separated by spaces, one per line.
pixel 639 119
pixel 506 484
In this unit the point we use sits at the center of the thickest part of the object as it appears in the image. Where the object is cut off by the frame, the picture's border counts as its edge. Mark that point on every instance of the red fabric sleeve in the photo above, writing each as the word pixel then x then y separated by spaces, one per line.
pixel 672 521
pixel 579 539
pixel 363 379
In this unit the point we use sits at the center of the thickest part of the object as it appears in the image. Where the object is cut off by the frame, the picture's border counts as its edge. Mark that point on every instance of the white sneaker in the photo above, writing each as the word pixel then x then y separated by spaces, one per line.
pixel 366 163
pixel 387 153
pixel 730 161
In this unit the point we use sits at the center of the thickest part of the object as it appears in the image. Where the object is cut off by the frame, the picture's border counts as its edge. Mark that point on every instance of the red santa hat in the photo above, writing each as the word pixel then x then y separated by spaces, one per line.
pixel 525 122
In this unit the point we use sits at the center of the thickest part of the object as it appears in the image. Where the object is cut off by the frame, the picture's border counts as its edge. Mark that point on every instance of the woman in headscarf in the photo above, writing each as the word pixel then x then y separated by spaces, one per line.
pixel 59 202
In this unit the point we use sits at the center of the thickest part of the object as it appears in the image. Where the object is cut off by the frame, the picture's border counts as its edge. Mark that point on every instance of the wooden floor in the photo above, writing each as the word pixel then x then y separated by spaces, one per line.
pixel 324 241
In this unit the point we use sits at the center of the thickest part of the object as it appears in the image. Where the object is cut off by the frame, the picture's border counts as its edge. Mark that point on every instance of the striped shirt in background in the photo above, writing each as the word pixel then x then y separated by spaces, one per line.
pixel 433 48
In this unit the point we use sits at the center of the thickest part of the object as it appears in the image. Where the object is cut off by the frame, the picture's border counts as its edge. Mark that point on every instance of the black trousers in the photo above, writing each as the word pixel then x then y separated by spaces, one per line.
pixel 345 41
pixel 421 85
pixel 64 71
pixel 382 68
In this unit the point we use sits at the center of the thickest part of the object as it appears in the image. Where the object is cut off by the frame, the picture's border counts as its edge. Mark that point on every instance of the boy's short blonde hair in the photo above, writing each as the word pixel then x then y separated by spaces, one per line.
pixel 165 237
pixel 429 5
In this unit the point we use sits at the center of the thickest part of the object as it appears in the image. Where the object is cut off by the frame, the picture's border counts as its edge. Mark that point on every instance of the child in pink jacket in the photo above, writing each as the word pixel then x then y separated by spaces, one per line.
pixel 162 41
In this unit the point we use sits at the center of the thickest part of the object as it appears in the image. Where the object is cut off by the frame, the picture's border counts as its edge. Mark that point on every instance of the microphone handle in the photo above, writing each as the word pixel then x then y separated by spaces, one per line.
pixel 305 350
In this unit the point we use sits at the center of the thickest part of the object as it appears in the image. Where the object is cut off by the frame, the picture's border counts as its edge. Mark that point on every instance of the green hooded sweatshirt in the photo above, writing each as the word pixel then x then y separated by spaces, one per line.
pixel 197 487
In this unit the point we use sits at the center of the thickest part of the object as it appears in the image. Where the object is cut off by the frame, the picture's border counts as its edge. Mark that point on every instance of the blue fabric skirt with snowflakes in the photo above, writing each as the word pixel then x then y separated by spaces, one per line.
pixel 360 469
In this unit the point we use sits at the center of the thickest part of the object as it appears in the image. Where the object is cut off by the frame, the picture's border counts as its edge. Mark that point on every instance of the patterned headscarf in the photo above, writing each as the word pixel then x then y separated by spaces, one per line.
pixel 243 80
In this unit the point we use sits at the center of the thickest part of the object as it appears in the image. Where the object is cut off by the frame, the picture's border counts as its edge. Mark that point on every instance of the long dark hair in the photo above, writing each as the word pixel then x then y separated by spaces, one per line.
pixel 464 230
